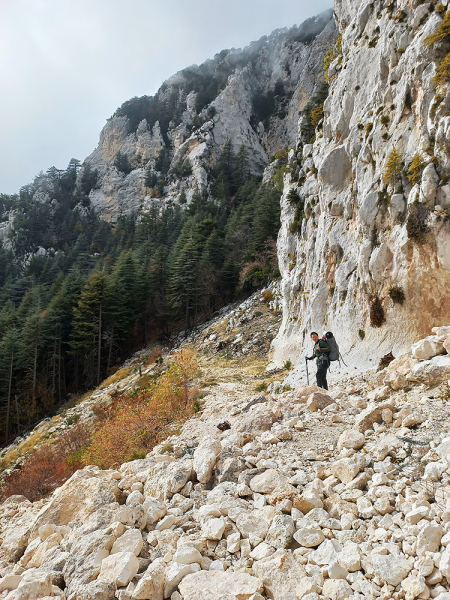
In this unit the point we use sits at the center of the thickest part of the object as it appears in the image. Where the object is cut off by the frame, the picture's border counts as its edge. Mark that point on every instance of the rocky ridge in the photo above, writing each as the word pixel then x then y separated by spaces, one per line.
pixel 357 237
pixel 264 87
pixel 301 494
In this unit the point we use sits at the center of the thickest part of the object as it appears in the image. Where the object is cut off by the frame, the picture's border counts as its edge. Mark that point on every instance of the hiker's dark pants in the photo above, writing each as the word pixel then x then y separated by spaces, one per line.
pixel 321 375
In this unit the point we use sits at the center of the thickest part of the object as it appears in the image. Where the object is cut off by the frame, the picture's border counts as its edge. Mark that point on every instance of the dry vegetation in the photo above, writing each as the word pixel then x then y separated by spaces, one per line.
pixel 129 427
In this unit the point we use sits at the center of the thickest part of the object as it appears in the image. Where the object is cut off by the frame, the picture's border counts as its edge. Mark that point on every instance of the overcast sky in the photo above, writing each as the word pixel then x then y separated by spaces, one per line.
pixel 66 65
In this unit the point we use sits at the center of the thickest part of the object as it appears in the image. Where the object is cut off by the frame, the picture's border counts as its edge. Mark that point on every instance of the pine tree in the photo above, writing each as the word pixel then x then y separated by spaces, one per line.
pixel 267 217
pixel 10 350
pixel 89 321
pixel 185 286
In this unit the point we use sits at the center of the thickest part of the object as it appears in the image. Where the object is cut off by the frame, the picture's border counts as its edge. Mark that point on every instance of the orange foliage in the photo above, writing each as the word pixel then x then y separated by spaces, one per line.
pixel 132 425
pixel 47 468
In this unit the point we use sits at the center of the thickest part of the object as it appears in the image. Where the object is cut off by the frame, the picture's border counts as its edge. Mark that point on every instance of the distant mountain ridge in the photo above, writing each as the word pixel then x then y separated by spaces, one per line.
pixel 251 97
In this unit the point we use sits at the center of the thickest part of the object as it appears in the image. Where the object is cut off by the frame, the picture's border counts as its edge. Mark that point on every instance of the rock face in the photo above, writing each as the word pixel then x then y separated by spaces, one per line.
pixel 258 93
pixel 357 239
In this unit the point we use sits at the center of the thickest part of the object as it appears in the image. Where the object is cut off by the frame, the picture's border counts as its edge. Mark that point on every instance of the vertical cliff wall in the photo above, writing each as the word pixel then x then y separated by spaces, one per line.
pixel 365 210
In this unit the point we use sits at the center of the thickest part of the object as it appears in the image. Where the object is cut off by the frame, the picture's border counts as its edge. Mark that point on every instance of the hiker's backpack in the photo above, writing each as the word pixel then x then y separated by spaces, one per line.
pixel 331 341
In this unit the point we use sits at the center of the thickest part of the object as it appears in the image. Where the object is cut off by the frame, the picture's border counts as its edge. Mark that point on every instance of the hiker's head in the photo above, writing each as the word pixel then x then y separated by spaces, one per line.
pixel 314 336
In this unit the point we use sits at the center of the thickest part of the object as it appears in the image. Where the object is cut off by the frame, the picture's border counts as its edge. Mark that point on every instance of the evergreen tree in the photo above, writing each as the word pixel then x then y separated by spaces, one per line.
pixel 185 285
pixel 89 322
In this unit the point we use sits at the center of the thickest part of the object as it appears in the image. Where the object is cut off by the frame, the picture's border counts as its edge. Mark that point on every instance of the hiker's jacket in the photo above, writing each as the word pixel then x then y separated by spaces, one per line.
pixel 321 350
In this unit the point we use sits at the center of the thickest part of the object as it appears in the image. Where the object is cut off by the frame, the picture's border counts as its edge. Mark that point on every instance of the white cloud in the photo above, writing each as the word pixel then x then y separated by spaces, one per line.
pixel 66 65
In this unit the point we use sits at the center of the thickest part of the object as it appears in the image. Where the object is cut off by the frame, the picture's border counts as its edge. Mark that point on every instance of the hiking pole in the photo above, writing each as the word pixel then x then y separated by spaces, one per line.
pixel 307 374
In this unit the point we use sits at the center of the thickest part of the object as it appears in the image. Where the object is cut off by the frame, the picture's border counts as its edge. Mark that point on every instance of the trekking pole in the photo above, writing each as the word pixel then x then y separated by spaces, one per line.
pixel 307 374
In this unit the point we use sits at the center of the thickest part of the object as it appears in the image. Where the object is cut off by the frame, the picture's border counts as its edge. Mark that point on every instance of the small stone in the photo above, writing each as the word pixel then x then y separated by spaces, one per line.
pixel 266 482
pixel 186 555
pixel 351 439
pixel 337 571
pixel 130 541
pixel 309 537
pixel 233 543
pixel 175 573
pixel 213 529
pixel 166 522
pixel 336 589
pixel 119 568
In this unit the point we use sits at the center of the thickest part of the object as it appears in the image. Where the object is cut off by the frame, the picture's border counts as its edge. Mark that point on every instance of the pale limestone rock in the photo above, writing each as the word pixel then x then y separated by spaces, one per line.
pixel 206 585
pixel 431 372
pixel 327 552
pixel 414 586
pixel 429 538
pixel 318 401
pixel 151 585
pixel 416 514
pixel 281 531
pixel 444 564
pixel 135 498
pixel 119 568
pixel 175 573
pixel 308 500
pixel 345 469
pixel 259 418
pixel 380 262
pixel 307 585
pixel 35 583
pixel 350 557
pixel 391 569
pixel 166 522
pixel 233 543
pixel 76 499
pixel 252 524
pixel 429 185
pixel 266 482
pixel 302 393
pixel 262 551
pixel 369 208
pixel 372 414
pixel 365 507
pixel 395 380
pixel 337 571
pixel 351 439
pixel 10 582
pixel 15 542
pixel 155 510
pixel 130 541
pixel 212 528
pixel 335 168
pixel 428 347
pixel 444 448
pixel 310 536
pixel 397 205
pixel 205 456
pixel 336 589
pixel 186 555
pixel 280 574
pixel 167 478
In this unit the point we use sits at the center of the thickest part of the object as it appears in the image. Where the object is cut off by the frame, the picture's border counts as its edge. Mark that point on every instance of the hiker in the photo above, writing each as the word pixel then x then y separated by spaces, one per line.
pixel 321 352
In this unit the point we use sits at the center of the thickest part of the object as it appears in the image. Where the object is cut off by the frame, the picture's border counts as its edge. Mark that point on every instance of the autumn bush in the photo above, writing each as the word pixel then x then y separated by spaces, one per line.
pixel 125 429
pixel 132 425
pixel 49 467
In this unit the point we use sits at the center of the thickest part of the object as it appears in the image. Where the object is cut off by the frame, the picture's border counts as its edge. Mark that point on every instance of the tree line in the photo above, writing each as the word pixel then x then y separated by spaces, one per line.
pixel 94 293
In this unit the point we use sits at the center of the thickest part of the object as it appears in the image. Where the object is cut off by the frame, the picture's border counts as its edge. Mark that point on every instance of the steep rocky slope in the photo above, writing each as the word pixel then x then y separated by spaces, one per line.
pixel 299 495
pixel 251 97
pixel 354 231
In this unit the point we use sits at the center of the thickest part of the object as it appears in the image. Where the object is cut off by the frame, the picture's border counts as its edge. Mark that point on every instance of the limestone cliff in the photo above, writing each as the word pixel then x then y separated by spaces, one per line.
pixel 362 224
pixel 251 97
